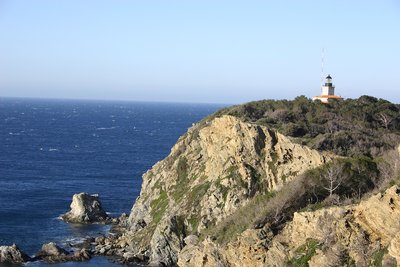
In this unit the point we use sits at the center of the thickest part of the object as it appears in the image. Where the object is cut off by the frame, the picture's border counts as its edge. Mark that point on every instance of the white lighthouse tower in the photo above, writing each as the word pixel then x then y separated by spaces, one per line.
pixel 327 91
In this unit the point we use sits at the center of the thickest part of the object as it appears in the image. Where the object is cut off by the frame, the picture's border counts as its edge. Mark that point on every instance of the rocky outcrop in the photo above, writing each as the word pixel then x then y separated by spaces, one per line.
pixel 13 255
pixel 247 250
pixel 217 167
pixel 86 208
pixel 52 253
pixel 363 235
pixel 51 249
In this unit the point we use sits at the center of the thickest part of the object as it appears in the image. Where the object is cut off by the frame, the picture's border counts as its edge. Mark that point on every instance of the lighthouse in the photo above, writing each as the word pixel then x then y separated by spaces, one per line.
pixel 327 91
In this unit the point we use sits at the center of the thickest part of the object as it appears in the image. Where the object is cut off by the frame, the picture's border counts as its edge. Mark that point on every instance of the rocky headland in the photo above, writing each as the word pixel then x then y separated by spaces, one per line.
pixel 268 183
pixel 235 191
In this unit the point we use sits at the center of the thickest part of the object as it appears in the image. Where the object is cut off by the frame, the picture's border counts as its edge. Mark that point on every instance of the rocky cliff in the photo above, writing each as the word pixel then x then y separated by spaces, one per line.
pixel 234 191
pixel 217 167
pixel 366 234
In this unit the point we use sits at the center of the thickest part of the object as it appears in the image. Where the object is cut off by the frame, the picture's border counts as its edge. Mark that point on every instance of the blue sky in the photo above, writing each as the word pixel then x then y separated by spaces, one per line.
pixel 198 51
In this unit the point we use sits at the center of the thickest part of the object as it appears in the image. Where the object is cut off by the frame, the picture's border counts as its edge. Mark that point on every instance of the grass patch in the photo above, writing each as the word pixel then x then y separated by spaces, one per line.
pixel 223 189
pixel 182 168
pixel 242 219
pixel 196 194
pixel 182 182
pixel 194 223
pixel 272 163
pixel 232 174
pixel 158 185
pixel 313 207
pixel 377 257
pixel 158 206
pixel 304 253
pixel 256 178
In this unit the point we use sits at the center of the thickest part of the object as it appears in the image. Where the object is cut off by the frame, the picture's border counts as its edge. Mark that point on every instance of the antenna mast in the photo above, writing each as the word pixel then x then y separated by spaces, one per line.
pixel 322 67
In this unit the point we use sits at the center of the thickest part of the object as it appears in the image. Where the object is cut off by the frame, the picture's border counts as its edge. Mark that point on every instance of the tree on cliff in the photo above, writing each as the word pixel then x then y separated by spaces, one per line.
pixel 333 177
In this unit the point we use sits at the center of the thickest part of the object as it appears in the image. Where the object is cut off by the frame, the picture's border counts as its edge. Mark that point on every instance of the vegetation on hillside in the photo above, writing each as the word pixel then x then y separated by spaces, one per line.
pixel 353 178
pixel 365 126
pixel 365 131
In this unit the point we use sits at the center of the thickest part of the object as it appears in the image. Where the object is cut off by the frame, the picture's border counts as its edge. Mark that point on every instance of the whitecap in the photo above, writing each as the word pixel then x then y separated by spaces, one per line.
pixel 106 128
pixel 53 149
pixel 74 240
pixel 10 118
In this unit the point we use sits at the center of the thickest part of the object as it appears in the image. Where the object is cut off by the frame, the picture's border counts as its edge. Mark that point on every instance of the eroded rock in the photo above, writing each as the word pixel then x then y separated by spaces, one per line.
pixel 12 254
pixel 86 208
pixel 214 169
pixel 51 249
pixel 331 236
pixel 52 253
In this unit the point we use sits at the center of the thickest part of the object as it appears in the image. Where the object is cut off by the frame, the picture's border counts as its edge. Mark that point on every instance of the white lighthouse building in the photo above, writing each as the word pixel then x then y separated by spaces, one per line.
pixel 327 91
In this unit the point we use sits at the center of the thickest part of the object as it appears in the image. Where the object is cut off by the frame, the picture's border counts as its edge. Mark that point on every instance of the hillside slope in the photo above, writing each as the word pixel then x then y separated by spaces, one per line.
pixel 366 234
pixel 235 191
pixel 211 172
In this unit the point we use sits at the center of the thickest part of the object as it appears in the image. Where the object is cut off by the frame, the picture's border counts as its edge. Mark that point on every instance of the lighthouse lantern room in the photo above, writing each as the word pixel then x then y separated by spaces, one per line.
pixel 327 91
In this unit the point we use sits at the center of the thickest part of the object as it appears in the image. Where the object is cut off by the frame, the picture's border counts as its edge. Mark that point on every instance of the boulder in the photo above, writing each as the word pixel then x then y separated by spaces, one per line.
pixel 86 208
pixel 12 254
pixel 51 250
pixel 82 255
pixel 191 240
pixel 52 253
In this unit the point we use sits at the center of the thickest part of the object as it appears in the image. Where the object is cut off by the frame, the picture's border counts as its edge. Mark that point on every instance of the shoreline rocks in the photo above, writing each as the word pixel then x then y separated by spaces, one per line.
pixel 13 255
pixel 86 208
pixel 52 253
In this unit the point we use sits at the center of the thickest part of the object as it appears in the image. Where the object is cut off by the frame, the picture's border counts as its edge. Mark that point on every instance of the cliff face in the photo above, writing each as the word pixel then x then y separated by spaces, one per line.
pixel 232 193
pixel 366 234
pixel 214 169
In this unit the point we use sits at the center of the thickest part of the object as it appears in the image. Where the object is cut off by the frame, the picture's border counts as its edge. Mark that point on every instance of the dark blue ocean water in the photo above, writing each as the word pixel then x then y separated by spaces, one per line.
pixel 51 149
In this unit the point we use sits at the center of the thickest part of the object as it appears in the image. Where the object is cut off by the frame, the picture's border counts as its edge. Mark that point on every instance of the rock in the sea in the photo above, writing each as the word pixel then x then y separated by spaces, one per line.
pixel 12 254
pixel 82 255
pixel 51 249
pixel 52 253
pixel 86 208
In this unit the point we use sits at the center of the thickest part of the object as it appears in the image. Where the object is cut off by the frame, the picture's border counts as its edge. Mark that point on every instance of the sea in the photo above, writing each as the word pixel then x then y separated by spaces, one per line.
pixel 52 149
